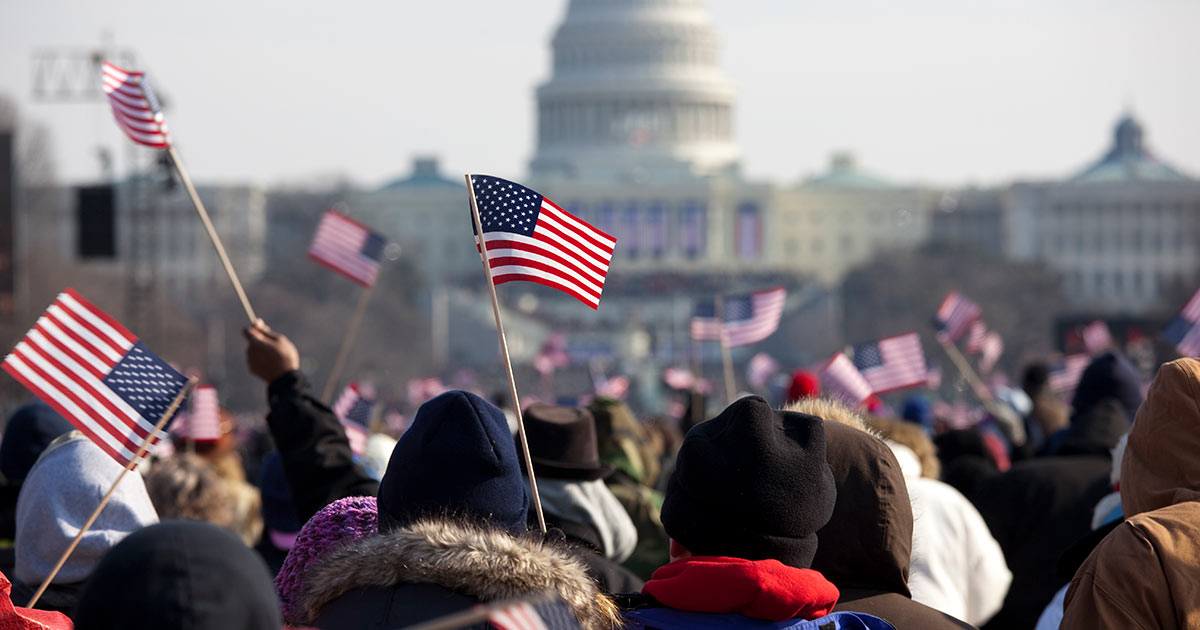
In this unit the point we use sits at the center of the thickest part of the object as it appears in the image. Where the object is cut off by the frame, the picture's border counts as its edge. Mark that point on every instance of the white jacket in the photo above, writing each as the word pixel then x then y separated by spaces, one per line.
pixel 957 567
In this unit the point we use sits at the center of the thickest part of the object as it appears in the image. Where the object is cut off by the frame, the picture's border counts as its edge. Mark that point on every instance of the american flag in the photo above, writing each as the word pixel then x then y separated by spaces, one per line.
pixel 892 363
pixel 1065 374
pixel 1185 335
pixel 747 318
pixel 840 378
pixel 993 347
pixel 760 368
pixel 550 615
pixel 353 409
pixel 1191 310
pixel 203 422
pixel 96 373
pixel 1096 337
pixel 348 247
pixel 529 238
pixel 975 336
pixel 135 106
pixel 678 378
pixel 954 316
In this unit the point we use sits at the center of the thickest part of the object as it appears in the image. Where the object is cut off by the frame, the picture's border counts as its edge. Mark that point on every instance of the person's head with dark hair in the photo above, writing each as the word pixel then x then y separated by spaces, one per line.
pixel 30 429
pixel 1109 375
pixel 1035 378
pixel 179 574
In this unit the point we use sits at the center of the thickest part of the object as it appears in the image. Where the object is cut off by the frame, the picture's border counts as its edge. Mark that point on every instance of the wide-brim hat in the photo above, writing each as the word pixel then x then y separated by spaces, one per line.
pixel 562 443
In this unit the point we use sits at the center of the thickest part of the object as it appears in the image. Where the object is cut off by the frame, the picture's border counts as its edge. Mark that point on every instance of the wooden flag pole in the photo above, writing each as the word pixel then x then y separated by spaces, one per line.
pixel 694 396
pixel 212 233
pixel 964 368
pixel 512 381
pixel 726 359
pixel 347 342
pixel 187 388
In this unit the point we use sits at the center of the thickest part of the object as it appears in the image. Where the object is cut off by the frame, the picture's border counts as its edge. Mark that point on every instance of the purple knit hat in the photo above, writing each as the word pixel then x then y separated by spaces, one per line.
pixel 339 522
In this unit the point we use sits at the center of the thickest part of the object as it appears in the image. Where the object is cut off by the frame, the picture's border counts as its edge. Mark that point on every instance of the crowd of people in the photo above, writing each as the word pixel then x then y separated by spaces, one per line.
pixel 810 515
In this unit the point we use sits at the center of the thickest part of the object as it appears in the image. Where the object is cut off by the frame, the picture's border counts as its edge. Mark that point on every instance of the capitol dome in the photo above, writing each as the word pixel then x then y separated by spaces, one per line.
pixel 635 92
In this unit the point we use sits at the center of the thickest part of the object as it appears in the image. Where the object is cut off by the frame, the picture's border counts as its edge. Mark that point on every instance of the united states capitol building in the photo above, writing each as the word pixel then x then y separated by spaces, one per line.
pixel 635 135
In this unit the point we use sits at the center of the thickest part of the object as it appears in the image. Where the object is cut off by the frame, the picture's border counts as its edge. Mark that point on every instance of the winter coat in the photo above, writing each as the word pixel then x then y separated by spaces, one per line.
pixel 436 567
pixel 317 460
pixel 865 547
pixel 179 574
pixel 1145 573
pixel 597 527
pixel 957 567
pixel 61 491
pixel 1040 508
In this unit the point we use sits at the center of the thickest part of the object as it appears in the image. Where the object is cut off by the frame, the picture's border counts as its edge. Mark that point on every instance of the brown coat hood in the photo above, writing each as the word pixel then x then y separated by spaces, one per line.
pixel 481 564
pixel 1161 466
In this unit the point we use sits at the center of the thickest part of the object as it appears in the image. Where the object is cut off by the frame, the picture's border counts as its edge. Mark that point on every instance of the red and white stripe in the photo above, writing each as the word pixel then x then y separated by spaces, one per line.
pixel 203 422
pixel 840 378
pixel 975 336
pixel 954 316
pixel 768 309
pixel 520 616
pixel 993 347
pixel 1064 378
pixel 63 360
pixel 1189 346
pixel 563 252
pixel 903 364
pixel 135 107
pixel 338 245
pixel 1191 310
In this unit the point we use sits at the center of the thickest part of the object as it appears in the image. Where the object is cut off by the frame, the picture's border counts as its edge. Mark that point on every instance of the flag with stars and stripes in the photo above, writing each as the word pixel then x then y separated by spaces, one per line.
pixel 97 374
pixel 892 363
pixel 1065 374
pixel 203 422
pixel 954 316
pixel 135 107
pixel 548 615
pixel 1185 335
pixel 353 408
pixel 840 378
pixel 1191 310
pixel 348 247
pixel 529 238
pixel 975 336
pixel 745 319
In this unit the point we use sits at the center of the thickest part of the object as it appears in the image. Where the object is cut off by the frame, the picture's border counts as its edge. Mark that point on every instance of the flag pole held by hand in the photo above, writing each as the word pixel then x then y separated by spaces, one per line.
pixel 339 363
pixel 187 388
pixel 212 232
pixel 512 382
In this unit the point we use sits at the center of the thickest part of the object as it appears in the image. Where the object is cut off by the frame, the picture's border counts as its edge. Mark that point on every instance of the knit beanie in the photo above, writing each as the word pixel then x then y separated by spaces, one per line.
pixel 29 431
pixel 339 522
pixel 804 384
pixel 751 483
pixel 1109 375
pixel 457 458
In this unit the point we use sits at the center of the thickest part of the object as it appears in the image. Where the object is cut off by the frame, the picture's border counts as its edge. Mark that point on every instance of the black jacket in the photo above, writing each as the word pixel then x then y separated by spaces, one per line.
pixel 316 454
pixel 584 540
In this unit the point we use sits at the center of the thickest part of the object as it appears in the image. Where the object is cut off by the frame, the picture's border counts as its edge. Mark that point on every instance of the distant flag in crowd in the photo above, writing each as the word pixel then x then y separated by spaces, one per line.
pixel 954 316
pixel 353 409
pixel 933 378
pixel 992 348
pixel 135 107
pixel 348 247
pixel 678 378
pixel 203 422
pixel 550 615
pixel 422 389
pixel 892 363
pixel 553 355
pixel 615 387
pixel 975 336
pixel 529 238
pixel 1184 330
pixel 96 374
pixel 1096 337
pixel 1065 374
pixel 759 369
pixel 748 319
pixel 840 378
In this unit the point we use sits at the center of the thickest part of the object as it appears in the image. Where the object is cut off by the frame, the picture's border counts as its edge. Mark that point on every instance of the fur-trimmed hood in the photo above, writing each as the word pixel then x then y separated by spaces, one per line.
pixel 470 561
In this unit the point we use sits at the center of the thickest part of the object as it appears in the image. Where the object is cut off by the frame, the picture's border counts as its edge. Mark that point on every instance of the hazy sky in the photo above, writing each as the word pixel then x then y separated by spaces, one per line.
pixel 941 91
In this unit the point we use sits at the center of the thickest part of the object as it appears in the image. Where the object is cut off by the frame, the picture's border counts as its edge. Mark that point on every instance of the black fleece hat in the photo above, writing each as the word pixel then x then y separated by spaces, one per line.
pixel 30 430
pixel 457 458
pixel 751 483
pixel 179 574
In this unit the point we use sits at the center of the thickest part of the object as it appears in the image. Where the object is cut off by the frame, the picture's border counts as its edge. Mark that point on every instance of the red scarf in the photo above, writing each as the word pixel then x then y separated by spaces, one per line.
pixel 762 589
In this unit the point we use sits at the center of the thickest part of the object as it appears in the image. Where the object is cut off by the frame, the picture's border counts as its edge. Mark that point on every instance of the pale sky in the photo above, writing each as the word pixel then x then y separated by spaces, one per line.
pixel 939 91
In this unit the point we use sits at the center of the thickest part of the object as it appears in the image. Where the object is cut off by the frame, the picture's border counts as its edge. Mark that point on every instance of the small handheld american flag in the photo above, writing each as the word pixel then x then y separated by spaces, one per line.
pixel 840 378
pixel 529 238
pixel 203 422
pixel 348 247
pixel 954 316
pixel 1065 374
pixel 97 374
pixel 747 319
pixel 892 363
pixel 353 409
pixel 135 107
pixel 549 615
